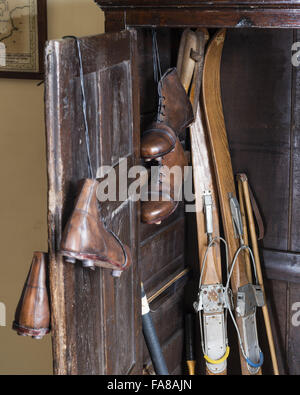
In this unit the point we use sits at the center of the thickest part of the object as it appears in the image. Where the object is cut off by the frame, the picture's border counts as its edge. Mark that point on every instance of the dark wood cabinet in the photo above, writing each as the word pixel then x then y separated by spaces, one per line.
pixel 96 323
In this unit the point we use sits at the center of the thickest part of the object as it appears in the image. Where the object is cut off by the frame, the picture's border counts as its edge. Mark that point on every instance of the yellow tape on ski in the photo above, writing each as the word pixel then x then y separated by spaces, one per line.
pixel 217 361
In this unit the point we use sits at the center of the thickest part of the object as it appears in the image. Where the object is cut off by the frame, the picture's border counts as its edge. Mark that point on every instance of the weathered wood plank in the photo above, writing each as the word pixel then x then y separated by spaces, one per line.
pixel 193 3
pixel 91 310
pixel 256 85
pixel 295 157
pixel 160 251
pixel 148 230
pixel 213 17
pixel 293 338
pixel 281 265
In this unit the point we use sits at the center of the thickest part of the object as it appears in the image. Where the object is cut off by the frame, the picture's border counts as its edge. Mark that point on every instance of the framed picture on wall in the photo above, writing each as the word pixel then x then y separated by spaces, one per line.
pixel 23 34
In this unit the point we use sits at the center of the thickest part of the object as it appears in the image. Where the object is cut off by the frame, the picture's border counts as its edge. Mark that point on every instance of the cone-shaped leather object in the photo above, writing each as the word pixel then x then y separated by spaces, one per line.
pixel 175 113
pixel 32 317
pixel 164 196
pixel 85 237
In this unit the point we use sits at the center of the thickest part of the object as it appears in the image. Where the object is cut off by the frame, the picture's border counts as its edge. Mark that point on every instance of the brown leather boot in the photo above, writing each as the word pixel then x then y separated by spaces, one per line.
pixel 86 239
pixel 164 195
pixel 32 317
pixel 175 114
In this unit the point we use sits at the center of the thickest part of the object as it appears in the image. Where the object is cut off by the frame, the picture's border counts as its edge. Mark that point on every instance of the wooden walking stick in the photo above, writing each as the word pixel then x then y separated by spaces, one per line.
pixel 243 180
pixel 244 220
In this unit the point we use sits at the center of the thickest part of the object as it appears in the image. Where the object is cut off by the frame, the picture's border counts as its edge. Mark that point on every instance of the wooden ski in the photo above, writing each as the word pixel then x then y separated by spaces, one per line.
pixel 250 354
pixel 215 347
pixel 209 305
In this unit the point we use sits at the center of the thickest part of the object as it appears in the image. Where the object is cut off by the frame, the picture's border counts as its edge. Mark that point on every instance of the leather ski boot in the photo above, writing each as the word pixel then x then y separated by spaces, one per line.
pixel 32 317
pixel 175 113
pixel 163 197
pixel 86 239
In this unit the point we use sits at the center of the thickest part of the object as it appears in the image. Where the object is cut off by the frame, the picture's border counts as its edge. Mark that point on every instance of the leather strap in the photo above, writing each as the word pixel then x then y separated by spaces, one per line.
pixel 257 215
pixel 256 211
pixel 198 57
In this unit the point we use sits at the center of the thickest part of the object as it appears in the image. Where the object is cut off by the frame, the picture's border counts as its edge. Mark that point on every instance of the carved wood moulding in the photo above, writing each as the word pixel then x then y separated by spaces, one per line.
pixel 217 13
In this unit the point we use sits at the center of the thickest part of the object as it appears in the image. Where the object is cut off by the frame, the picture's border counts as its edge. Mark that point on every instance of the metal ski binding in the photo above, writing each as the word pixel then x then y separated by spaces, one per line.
pixel 236 217
pixel 249 296
pixel 212 300
pixel 208 203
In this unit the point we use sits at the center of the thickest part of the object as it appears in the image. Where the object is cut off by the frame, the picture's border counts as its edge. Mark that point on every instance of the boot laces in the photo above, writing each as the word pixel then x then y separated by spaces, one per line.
pixel 161 105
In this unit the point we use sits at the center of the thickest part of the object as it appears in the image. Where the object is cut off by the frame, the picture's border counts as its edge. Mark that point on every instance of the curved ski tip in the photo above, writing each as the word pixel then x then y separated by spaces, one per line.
pixel 219 37
pixel 213 54
pixel 205 32
pixel 242 176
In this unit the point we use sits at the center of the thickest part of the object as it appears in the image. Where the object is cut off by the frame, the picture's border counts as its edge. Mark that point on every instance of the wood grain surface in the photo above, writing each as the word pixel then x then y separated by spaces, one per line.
pixel 96 322
pixel 222 161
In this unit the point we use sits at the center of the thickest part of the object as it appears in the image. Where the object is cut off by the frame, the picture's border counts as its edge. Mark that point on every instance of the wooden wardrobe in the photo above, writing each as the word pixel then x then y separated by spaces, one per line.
pixel 96 319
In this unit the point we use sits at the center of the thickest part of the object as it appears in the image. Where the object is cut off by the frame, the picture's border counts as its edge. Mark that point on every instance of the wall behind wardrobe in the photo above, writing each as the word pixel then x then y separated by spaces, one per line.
pixel 23 197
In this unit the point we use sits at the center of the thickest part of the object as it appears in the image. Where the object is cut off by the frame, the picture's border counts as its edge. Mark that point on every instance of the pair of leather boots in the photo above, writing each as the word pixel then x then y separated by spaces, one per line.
pixel 85 239
pixel 160 142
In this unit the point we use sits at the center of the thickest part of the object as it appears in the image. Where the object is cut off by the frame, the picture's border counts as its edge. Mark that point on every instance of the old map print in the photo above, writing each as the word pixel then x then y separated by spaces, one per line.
pixel 19 35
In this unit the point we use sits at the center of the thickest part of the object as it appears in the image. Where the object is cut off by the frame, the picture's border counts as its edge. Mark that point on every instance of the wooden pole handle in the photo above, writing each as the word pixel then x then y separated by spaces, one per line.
pixel 246 239
pixel 181 50
pixel 244 182
pixel 185 63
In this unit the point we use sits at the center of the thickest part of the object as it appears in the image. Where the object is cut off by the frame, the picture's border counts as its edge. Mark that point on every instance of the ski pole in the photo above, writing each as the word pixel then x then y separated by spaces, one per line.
pixel 246 240
pixel 244 181
pixel 189 344
pixel 151 338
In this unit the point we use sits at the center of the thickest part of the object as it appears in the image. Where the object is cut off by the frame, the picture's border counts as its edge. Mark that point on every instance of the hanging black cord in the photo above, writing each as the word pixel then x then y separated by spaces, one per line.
pixel 157 76
pixel 84 109
pixel 156 59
